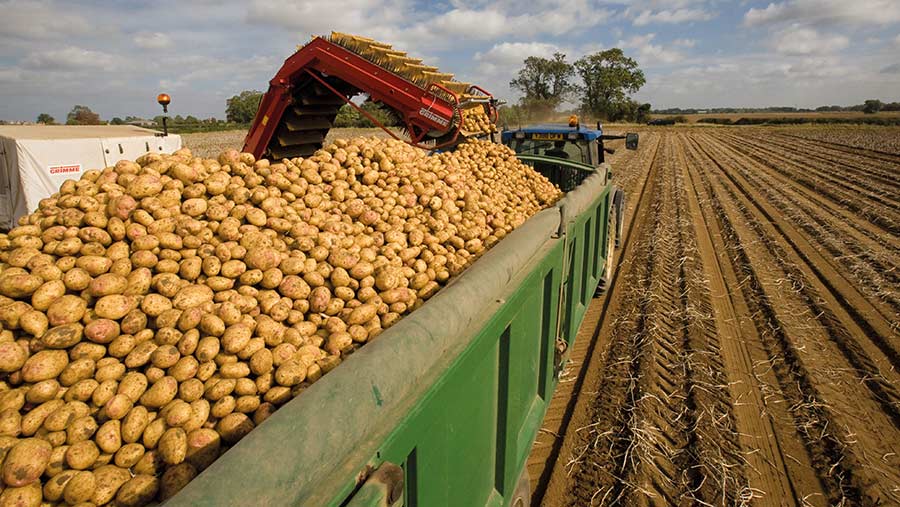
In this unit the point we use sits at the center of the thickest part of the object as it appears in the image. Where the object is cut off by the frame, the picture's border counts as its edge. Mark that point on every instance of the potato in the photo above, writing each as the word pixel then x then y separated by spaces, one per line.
pixel 53 489
pixel 12 357
pixel 236 338
pixel 34 322
pixel 25 496
pixel 10 422
pixel 155 304
pixel 107 285
pixel 95 265
pixel 109 479
pixel 117 407
pixel 22 285
pixel 172 446
pixel 175 478
pixel 76 279
pixel 63 336
pixel 34 419
pixel 109 436
pixel 76 371
pixel 25 462
pixel 133 385
pixel 114 306
pixel 192 296
pixel 44 365
pixel 231 285
pixel 59 419
pixel 139 490
pixel 160 393
pixel 134 423
pixel 129 454
pixel 82 455
pixel 102 331
pixel 145 185
pixel 66 310
pixel 80 488
pixel 80 429
pixel 82 390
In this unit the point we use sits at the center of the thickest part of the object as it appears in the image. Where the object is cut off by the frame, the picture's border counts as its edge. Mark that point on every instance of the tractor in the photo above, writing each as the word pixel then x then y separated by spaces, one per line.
pixel 563 153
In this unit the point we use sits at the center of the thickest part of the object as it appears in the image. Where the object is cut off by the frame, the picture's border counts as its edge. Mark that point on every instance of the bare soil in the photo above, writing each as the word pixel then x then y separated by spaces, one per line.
pixel 747 349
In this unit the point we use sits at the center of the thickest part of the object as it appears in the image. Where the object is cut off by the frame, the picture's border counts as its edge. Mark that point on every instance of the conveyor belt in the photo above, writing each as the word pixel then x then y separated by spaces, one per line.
pixel 306 122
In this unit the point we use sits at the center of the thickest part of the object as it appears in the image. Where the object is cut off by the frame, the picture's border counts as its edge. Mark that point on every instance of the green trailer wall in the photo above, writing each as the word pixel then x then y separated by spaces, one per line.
pixel 454 393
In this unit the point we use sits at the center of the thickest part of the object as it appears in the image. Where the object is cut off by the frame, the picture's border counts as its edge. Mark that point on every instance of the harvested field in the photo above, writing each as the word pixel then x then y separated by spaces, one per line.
pixel 748 346
pixel 210 144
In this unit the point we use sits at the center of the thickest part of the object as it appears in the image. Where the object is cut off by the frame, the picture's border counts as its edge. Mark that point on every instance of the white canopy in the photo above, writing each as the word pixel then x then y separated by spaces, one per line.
pixel 35 160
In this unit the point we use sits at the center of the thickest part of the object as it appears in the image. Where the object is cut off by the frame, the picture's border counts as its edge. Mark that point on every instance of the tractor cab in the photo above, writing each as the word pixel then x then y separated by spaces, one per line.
pixel 564 153
pixel 575 141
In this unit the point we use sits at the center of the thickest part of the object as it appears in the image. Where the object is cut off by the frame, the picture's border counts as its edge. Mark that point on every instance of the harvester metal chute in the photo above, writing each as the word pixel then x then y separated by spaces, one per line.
pixel 305 95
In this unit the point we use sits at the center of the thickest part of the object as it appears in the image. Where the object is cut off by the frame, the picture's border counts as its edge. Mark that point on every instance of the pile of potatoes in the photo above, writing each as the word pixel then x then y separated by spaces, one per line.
pixel 155 312
pixel 476 121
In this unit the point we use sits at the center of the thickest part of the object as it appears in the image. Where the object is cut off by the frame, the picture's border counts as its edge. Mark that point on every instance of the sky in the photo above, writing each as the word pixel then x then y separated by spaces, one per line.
pixel 114 57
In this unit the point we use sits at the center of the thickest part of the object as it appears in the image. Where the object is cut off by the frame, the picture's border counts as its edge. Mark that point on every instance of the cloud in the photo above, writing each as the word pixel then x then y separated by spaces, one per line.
pixel 506 57
pixel 40 20
pixel 152 40
pixel 70 58
pixel 798 40
pixel 826 12
pixel 891 69
pixel 649 53
pixel 396 21
pixel 647 17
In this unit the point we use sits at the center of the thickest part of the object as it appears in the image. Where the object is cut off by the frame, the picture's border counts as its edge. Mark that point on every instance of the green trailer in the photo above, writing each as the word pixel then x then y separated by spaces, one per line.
pixel 443 408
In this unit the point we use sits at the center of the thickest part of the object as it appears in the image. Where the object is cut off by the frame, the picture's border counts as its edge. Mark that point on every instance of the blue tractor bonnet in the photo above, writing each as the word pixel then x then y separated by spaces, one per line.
pixel 583 131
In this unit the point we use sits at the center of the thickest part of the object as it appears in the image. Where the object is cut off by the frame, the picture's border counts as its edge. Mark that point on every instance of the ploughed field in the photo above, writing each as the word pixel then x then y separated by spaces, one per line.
pixel 748 351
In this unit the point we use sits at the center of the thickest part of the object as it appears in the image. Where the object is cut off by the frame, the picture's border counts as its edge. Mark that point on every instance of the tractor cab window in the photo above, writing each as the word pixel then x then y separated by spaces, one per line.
pixel 576 151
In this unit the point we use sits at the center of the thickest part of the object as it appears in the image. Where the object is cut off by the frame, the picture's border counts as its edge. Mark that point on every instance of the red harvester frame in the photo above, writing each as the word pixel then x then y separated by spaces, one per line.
pixel 422 110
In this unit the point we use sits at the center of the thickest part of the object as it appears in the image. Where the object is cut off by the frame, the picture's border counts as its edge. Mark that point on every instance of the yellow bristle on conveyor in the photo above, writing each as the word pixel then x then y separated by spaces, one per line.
pixel 456 86
pixel 437 77
pixel 398 65
pixel 357 44
pixel 386 58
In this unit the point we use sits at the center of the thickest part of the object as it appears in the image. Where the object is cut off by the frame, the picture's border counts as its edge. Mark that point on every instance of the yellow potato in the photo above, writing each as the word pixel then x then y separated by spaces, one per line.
pixel 44 365
pixel 108 480
pixel 160 393
pixel 139 490
pixel 25 496
pixel 172 446
pixel 13 357
pixel 25 462
pixel 80 488
pixel 82 455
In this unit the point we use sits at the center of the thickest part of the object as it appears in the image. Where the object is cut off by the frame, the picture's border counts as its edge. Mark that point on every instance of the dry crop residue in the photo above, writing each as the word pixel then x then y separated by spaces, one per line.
pixel 748 353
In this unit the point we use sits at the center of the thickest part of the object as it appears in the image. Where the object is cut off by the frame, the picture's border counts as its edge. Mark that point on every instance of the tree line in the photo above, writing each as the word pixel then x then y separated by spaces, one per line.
pixel 870 106
pixel 599 84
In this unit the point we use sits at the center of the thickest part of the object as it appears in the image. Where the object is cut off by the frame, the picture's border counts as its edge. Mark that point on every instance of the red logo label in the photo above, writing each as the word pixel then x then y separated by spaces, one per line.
pixel 65 169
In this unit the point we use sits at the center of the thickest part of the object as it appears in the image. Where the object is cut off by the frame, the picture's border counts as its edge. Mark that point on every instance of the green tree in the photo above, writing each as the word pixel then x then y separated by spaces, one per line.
pixel 242 108
pixel 191 119
pixel 349 117
pixel 544 82
pixel 872 106
pixel 608 78
pixel 46 119
pixel 642 114
pixel 117 121
pixel 82 115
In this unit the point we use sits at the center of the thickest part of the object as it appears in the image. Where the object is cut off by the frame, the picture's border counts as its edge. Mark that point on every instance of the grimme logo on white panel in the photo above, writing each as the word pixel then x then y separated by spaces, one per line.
pixel 65 169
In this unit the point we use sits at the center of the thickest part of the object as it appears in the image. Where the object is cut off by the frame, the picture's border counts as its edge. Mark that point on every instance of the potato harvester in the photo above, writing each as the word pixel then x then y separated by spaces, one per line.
pixel 303 99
